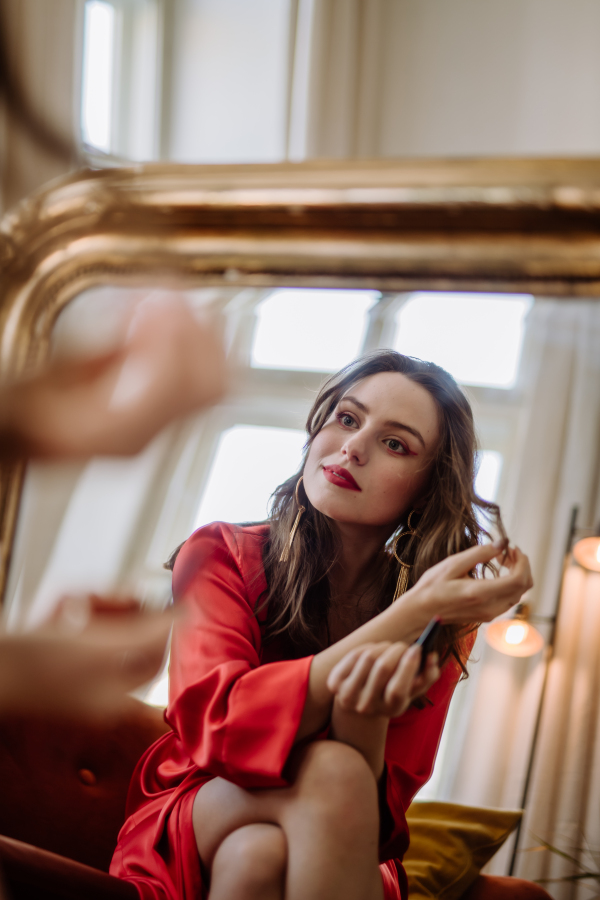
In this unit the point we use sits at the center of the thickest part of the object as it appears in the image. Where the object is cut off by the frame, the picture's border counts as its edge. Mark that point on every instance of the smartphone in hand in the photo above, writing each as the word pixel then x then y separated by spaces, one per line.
pixel 426 641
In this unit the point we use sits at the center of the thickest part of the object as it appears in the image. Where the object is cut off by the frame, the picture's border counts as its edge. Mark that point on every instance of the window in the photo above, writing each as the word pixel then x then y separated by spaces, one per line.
pixel 187 80
pixel 121 91
pixel 488 474
pixel 476 337
pixel 249 464
pixel 98 67
pixel 310 330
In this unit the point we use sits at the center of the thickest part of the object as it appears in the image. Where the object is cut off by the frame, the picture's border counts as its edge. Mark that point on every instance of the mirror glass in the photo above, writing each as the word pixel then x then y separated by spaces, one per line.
pixel 108 525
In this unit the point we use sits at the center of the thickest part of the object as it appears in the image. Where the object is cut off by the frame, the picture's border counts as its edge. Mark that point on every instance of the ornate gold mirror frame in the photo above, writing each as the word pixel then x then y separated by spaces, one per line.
pixel 501 225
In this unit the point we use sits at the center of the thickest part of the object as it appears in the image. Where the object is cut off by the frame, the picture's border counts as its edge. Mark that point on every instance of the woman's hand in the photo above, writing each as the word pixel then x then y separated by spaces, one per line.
pixel 381 679
pixel 168 365
pixel 84 661
pixel 446 590
pixel 372 684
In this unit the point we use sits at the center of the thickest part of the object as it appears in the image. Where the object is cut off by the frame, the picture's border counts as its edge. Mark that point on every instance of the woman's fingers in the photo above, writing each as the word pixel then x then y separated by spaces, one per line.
pixel 448 592
pixel 460 564
pixel 351 686
pixel 399 690
pixel 342 669
pixel 492 596
pixel 371 694
pixel 381 679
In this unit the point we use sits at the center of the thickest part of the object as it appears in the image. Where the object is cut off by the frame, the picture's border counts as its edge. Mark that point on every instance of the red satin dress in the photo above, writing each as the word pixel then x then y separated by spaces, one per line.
pixel 235 709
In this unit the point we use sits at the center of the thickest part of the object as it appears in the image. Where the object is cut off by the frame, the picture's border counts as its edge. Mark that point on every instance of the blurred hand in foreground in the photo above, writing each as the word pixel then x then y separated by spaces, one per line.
pixel 84 661
pixel 168 366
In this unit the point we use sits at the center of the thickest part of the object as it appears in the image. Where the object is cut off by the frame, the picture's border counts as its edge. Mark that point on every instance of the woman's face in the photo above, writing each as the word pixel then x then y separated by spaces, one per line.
pixel 370 462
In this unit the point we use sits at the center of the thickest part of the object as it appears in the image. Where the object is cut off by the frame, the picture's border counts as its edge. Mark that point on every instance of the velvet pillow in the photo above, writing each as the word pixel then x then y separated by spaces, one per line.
pixel 450 844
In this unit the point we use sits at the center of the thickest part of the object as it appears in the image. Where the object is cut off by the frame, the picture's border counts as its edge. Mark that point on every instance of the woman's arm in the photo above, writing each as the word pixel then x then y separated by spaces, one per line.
pixel 372 685
pixel 444 590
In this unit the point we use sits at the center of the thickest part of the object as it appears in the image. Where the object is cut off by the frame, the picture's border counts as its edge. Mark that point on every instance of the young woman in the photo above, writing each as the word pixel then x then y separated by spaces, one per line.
pixel 301 727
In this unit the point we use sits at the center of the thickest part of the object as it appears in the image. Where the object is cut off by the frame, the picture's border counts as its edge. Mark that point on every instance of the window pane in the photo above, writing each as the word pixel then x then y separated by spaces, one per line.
pixel 249 464
pixel 310 329
pixel 488 475
pixel 98 50
pixel 476 337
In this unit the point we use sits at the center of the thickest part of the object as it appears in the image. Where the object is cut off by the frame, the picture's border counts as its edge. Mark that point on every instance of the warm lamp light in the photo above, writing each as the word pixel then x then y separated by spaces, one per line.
pixel 587 553
pixel 516 636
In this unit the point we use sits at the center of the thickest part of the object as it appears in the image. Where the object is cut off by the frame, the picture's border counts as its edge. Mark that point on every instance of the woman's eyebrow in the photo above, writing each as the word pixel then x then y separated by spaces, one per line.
pixel 390 423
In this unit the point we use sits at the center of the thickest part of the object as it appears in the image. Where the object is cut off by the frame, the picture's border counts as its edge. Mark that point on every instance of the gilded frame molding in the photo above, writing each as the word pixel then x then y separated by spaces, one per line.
pixel 503 225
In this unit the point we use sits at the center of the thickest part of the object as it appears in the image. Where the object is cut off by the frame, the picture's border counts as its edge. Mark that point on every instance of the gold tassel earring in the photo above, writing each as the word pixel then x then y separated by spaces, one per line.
pixel 402 584
pixel 285 553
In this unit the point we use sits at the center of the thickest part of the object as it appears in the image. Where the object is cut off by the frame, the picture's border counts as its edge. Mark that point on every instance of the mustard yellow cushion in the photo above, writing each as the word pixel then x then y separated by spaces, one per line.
pixel 450 844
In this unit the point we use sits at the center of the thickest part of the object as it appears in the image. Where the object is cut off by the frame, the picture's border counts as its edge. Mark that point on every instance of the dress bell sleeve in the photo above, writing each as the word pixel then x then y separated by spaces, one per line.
pixel 235 717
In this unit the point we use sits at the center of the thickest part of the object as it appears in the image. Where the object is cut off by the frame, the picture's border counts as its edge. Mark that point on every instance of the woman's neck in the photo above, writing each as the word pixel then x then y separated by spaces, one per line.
pixel 353 571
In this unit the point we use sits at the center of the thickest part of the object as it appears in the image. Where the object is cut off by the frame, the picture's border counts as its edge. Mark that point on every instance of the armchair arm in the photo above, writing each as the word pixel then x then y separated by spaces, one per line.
pixel 33 874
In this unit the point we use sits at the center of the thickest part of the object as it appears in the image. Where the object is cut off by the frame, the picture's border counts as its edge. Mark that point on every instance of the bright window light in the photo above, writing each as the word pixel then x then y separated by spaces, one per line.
pixel 310 329
pixel 476 337
pixel 488 475
pixel 249 464
pixel 98 65
pixel 158 693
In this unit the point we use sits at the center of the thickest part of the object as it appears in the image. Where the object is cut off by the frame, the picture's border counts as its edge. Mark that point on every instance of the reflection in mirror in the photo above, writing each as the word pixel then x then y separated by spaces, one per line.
pixel 109 525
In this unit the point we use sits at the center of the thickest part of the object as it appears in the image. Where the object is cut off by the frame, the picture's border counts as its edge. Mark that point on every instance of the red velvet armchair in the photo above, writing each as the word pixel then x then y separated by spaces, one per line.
pixel 63 788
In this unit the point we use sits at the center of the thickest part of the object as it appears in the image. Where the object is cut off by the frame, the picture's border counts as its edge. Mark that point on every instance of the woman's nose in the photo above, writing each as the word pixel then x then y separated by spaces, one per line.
pixel 355 449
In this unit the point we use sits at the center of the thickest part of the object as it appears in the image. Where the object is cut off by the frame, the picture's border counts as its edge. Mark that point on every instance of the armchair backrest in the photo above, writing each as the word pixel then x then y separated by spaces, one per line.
pixel 63 785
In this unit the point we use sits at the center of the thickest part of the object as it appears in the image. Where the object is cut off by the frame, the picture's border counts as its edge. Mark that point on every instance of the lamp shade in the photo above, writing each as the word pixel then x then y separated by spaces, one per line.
pixel 587 553
pixel 516 636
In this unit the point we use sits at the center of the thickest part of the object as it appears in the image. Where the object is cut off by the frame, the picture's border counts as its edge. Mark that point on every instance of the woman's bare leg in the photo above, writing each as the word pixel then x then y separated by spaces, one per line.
pixel 329 817
pixel 250 864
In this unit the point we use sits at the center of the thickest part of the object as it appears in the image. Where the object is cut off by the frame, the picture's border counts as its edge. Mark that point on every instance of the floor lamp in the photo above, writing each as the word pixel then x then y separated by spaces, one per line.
pixel 517 637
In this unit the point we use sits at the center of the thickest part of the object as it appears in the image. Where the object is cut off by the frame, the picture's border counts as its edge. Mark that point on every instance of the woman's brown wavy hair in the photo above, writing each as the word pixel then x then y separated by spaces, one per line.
pixel 297 598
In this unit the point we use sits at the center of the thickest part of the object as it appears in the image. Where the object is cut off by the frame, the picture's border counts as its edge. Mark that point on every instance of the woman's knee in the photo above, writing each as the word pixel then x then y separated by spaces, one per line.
pixel 338 780
pixel 254 855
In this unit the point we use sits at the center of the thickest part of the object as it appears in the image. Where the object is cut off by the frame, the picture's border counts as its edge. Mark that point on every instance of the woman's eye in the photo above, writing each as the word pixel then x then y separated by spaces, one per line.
pixel 395 446
pixel 346 420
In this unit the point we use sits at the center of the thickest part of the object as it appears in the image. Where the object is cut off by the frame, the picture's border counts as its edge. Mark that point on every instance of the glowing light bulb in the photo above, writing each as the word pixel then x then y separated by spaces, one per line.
pixel 587 553
pixel 516 634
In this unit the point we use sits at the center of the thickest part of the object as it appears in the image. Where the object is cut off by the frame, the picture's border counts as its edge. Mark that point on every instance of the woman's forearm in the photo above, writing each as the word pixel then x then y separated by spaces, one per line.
pixel 403 621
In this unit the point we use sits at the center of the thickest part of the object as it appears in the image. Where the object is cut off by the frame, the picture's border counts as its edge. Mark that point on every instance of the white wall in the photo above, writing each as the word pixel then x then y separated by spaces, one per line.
pixel 229 80
pixel 486 77
pixel 453 77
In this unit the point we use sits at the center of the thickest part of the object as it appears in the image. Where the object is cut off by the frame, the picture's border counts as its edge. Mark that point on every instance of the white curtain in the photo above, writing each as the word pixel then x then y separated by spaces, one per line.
pixel 489 735
pixel 564 807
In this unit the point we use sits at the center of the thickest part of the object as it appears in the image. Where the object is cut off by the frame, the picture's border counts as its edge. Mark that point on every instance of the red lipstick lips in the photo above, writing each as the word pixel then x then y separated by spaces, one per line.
pixel 341 477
